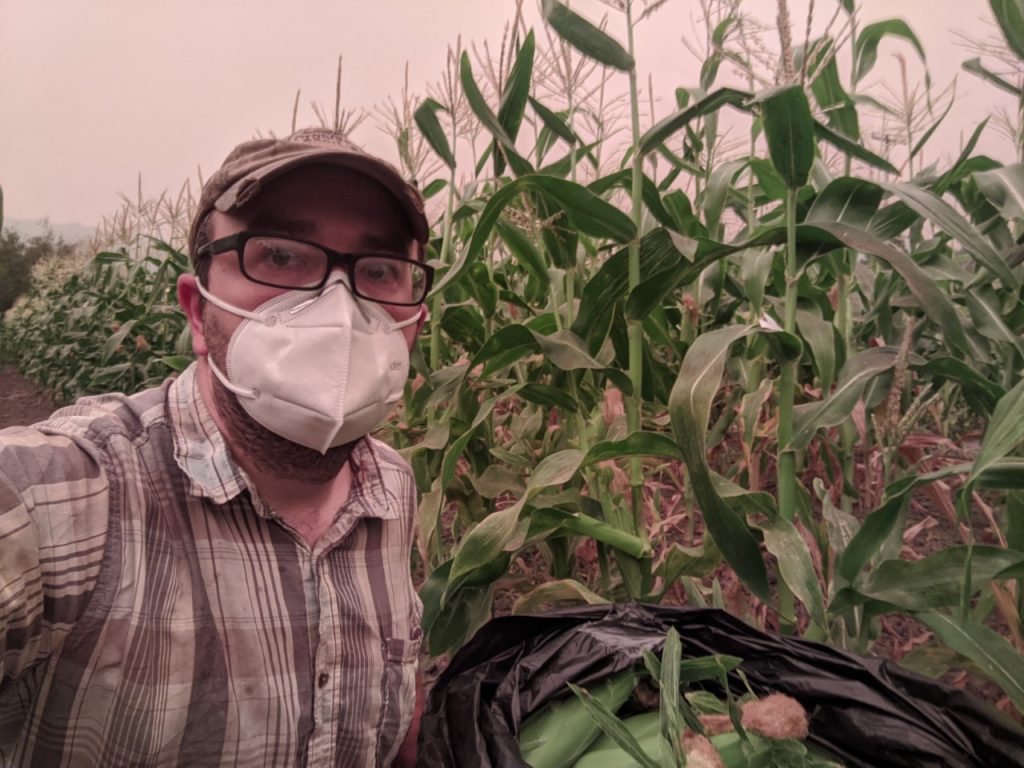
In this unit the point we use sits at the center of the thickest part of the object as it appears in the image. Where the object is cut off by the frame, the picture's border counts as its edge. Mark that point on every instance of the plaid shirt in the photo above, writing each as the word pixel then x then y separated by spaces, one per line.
pixel 155 612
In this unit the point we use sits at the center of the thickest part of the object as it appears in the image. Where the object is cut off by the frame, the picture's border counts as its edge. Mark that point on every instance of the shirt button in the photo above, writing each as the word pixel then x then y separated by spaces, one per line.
pixel 322 680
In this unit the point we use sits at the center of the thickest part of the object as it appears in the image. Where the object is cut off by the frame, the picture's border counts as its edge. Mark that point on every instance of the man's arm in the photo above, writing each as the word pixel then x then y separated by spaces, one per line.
pixel 53 526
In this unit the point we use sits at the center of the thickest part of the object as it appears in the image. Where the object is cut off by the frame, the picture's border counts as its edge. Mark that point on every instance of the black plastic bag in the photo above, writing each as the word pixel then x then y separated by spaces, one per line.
pixel 866 712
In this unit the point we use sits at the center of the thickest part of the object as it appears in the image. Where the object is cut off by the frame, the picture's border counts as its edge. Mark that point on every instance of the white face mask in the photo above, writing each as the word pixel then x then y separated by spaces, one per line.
pixel 319 370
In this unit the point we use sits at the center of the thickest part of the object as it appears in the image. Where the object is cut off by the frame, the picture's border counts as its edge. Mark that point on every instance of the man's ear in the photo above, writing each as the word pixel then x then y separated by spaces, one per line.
pixel 191 302
pixel 424 315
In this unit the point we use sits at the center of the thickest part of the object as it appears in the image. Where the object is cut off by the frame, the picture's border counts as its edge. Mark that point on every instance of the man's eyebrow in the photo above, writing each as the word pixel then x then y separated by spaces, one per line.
pixel 372 241
pixel 268 223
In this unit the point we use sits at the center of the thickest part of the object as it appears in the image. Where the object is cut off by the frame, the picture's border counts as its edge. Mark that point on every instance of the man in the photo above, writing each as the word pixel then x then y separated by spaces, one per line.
pixel 216 572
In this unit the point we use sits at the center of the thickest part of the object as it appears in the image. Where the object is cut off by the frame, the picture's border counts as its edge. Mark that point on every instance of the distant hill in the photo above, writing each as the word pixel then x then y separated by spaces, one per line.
pixel 70 233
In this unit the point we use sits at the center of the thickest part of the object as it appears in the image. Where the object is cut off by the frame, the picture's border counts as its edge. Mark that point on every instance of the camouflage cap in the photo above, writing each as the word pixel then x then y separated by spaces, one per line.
pixel 251 164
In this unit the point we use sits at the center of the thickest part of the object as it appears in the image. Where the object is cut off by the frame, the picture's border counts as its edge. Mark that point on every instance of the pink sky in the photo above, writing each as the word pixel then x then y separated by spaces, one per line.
pixel 96 92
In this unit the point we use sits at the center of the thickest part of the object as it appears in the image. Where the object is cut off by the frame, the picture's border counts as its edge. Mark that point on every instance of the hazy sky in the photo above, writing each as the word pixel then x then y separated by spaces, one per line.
pixel 96 92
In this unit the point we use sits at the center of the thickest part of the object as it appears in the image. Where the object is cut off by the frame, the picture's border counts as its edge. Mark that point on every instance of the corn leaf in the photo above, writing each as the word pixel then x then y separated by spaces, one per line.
pixel 853 149
pixel 835 409
pixel 1004 433
pixel 975 66
pixel 846 200
pixel 690 407
pixel 613 727
pixel 585 37
pixel 556 591
pixel 426 120
pixel 992 653
pixel 984 305
pixel 936 581
pixel 937 210
pixel 517 89
pixel 584 211
pixel 666 127
pixel 789 130
pixel 553 122
pixel 1004 188
pixel 1010 16
pixel 866 46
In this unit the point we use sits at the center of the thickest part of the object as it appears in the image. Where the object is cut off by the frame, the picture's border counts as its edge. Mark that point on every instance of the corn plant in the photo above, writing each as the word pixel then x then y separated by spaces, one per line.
pixel 844 300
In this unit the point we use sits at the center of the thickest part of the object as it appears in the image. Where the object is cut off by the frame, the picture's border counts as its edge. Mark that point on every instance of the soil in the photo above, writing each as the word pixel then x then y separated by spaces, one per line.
pixel 21 401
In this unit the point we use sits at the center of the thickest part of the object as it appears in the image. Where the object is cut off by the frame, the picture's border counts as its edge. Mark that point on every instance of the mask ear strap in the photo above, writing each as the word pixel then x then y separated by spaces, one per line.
pixel 249 394
pixel 225 306
pixel 399 324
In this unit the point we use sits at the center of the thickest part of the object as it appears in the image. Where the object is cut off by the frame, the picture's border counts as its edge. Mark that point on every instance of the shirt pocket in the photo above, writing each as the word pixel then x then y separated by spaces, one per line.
pixel 398 693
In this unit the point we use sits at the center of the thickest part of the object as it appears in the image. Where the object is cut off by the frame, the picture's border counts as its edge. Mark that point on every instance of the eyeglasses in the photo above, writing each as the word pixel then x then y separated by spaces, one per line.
pixel 285 262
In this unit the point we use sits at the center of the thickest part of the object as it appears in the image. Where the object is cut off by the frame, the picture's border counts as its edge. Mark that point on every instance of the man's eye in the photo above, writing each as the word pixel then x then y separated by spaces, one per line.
pixel 379 271
pixel 279 257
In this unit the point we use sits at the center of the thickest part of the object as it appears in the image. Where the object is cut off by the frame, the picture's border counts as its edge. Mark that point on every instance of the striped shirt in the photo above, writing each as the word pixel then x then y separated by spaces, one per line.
pixel 154 611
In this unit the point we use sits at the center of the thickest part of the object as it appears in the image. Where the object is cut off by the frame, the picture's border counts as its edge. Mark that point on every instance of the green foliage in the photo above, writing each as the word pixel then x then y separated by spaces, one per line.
pixel 114 325
pixel 18 255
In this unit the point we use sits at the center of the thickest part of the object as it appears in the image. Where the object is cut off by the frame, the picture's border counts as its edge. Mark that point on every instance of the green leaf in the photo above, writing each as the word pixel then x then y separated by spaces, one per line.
pixel 1004 188
pixel 981 393
pixel 937 210
pixel 426 120
pixel 984 306
pixel 828 91
pixel 853 149
pixel 613 727
pixel 447 628
pixel 114 341
pixel 690 408
pixel 986 648
pixel 636 444
pixel 819 335
pixel 585 37
pixel 584 211
pixel 974 66
pixel 1010 16
pixel 478 104
pixel 784 541
pixel 554 123
pixel 932 300
pixel 931 130
pixel 846 200
pixel 789 130
pixel 936 581
pixel 517 89
pixel 857 372
pixel 866 47
pixel 710 104
pixel 484 544
pixel 880 522
pixel 1005 431
pixel 454 452
pixel 559 591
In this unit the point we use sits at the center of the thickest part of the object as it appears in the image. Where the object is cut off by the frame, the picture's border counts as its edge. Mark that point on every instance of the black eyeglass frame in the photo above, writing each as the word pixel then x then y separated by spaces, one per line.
pixel 237 241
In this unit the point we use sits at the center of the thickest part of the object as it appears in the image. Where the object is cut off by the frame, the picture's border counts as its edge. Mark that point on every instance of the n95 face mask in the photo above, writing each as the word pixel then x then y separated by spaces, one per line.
pixel 319 370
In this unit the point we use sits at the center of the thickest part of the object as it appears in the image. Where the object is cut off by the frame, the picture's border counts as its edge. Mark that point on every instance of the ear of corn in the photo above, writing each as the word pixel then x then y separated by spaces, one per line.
pixel 646 729
pixel 556 735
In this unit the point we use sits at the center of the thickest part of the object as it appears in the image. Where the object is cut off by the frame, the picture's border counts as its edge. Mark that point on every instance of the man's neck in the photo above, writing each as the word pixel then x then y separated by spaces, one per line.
pixel 309 508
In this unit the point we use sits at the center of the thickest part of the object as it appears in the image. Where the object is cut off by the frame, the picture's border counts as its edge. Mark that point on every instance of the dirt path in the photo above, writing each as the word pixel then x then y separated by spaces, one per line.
pixel 21 401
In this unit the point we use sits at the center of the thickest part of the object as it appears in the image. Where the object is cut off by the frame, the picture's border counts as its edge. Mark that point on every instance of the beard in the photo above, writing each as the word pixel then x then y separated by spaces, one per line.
pixel 267 450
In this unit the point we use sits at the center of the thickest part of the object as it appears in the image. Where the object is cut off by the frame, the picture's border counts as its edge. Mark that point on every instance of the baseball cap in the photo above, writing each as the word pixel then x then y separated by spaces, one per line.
pixel 253 163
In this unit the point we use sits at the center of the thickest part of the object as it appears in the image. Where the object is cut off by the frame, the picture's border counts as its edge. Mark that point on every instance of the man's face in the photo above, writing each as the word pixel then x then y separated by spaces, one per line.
pixel 338 208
